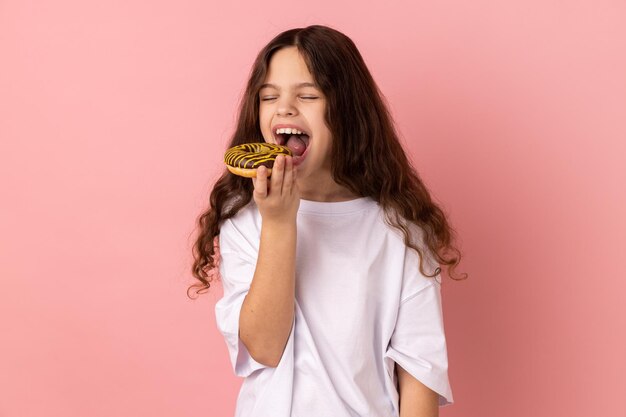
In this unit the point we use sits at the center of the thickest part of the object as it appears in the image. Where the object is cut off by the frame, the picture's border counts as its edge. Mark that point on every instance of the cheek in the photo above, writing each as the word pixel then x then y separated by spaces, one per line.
pixel 264 123
pixel 263 112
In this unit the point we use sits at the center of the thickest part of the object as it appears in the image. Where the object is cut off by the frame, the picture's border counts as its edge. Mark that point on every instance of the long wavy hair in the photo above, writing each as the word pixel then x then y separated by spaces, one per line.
pixel 365 142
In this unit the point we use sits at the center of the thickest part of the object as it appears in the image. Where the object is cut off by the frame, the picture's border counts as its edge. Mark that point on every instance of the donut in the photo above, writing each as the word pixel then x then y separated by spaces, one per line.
pixel 243 160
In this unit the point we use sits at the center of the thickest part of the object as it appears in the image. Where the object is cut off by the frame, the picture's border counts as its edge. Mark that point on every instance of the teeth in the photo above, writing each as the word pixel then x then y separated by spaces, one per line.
pixel 289 131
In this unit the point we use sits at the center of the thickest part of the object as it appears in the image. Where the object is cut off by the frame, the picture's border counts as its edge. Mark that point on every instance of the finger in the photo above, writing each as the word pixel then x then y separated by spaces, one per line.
pixel 260 183
pixel 287 183
pixel 277 173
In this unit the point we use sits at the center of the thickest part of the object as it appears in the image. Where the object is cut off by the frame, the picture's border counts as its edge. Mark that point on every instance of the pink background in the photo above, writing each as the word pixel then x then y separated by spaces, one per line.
pixel 113 121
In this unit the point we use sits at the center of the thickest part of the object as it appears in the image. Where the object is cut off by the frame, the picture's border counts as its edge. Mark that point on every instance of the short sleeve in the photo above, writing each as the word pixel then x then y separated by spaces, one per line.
pixel 418 342
pixel 237 267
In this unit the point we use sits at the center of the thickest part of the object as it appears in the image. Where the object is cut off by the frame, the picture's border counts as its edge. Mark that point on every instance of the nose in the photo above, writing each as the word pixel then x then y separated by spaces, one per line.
pixel 286 107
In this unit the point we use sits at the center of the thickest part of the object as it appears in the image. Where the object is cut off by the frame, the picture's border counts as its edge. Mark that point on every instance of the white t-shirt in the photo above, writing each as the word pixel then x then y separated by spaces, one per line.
pixel 361 305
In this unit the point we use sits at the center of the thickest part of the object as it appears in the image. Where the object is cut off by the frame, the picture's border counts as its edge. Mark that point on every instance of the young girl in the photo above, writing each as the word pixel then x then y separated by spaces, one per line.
pixel 332 303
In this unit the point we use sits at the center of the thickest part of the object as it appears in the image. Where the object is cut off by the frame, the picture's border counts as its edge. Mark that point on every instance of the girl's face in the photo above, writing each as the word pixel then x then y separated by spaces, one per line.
pixel 290 97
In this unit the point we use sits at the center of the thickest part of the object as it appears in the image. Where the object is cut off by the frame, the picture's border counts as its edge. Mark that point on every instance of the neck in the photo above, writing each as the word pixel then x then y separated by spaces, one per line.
pixel 323 193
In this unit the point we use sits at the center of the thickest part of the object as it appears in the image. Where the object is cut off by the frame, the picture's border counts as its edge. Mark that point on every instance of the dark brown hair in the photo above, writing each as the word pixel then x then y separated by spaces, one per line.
pixel 366 143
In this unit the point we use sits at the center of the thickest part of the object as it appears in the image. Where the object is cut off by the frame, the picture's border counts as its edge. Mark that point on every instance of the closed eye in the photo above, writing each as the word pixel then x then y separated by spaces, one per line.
pixel 267 98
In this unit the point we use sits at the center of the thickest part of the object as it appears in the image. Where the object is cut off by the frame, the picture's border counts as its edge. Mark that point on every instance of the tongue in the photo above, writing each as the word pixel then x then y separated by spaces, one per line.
pixel 296 145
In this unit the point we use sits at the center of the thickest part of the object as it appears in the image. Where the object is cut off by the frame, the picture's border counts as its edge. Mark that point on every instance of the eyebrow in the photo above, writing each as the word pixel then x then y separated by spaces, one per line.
pixel 300 85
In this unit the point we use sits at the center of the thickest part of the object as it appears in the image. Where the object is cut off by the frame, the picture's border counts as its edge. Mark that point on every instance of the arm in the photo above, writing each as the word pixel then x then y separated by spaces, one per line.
pixel 267 313
pixel 268 310
pixel 416 399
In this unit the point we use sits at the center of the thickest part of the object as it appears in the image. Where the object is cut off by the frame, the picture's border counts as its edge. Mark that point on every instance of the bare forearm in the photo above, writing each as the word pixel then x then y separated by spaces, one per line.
pixel 416 399
pixel 417 410
pixel 268 310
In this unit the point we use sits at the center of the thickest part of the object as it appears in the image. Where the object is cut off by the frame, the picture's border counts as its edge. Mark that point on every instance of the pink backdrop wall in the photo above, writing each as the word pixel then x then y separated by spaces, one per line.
pixel 113 120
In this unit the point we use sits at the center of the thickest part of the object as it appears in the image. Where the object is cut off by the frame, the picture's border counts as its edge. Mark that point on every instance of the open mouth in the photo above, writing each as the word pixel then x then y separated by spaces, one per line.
pixel 297 143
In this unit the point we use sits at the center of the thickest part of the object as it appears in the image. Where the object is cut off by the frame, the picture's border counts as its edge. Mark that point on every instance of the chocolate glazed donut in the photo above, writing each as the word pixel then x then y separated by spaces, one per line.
pixel 243 160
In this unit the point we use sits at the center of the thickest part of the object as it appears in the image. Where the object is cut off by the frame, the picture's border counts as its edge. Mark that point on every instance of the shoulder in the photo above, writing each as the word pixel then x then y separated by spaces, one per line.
pixel 417 238
pixel 392 227
pixel 247 217
pixel 242 231
pixel 396 224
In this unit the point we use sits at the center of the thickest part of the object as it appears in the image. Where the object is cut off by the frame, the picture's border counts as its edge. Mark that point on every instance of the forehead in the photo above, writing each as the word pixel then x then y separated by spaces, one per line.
pixel 288 68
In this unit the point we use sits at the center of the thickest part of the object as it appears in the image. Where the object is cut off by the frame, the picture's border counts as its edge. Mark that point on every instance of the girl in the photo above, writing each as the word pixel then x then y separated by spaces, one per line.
pixel 332 303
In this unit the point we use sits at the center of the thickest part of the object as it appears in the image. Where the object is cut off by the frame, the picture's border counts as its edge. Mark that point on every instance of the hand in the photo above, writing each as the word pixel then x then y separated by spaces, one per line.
pixel 279 199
